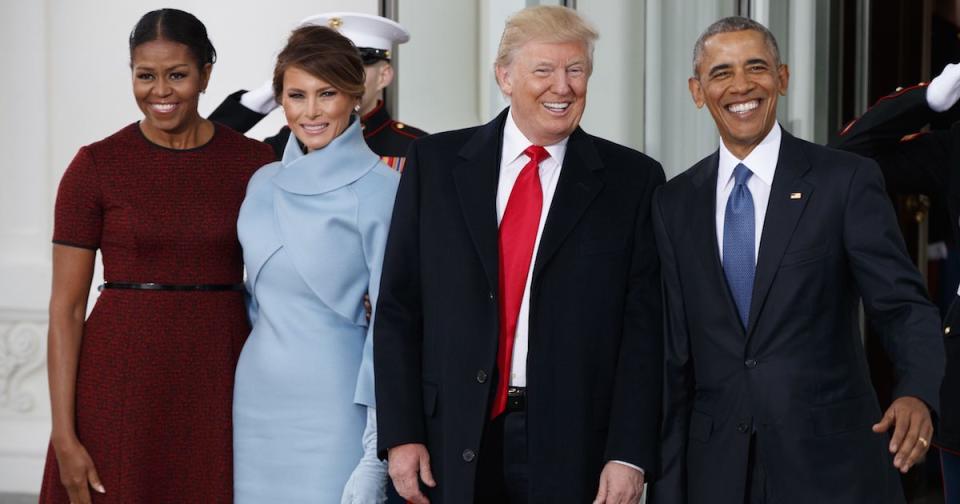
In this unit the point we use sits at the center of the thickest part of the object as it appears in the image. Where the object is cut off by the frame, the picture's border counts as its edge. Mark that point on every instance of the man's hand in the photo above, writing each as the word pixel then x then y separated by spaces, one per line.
pixel 944 90
pixel 408 465
pixel 619 484
pixel 912 431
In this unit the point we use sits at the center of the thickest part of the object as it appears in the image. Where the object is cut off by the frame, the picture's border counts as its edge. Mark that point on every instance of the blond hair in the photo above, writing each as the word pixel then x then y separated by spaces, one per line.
pixel 545 23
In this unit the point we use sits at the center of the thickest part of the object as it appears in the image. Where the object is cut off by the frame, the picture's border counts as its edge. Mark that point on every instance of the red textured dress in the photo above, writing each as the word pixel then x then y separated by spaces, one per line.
pixel 155 375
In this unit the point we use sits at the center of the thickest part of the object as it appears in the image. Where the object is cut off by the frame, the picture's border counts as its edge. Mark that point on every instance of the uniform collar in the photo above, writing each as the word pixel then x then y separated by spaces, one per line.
pixel 376 117
pixel 342 161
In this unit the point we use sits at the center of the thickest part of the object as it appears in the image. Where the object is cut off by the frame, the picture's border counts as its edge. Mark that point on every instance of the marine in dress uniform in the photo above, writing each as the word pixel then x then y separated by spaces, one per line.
pixel 374 37
pixel 926 163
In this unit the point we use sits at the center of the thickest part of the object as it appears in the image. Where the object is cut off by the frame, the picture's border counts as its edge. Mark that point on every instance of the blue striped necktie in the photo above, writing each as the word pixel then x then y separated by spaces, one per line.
pixel 739 265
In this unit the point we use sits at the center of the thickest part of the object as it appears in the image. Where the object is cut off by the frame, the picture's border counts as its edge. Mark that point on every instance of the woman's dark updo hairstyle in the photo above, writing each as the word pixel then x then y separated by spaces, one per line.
pixel 324 54
pixel 176 26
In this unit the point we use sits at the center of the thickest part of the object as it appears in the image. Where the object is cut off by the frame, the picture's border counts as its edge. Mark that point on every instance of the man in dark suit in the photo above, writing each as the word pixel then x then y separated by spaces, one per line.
pixel 518 329
pixel 767 247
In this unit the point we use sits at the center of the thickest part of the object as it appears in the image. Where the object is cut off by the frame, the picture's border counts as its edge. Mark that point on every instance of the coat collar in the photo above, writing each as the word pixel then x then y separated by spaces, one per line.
pixel 580 182
pixel 476 177
pixel 341 162
pixel 783 214
pixel 704 180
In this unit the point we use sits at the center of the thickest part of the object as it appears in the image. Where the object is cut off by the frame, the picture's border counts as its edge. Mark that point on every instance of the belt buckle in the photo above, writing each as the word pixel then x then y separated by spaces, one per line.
pixel 516 399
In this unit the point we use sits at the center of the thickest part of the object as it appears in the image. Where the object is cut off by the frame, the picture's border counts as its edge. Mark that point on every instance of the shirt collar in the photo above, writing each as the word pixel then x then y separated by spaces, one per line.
pixel 514 143
pixel 762 160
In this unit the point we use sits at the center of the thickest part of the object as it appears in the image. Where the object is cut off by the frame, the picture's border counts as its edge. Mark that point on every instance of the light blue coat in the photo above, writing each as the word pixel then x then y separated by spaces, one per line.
pixel 313 229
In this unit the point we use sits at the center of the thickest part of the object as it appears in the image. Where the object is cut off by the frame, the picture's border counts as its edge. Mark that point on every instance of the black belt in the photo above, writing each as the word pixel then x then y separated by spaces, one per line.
pixel 171 287
pixel 516 399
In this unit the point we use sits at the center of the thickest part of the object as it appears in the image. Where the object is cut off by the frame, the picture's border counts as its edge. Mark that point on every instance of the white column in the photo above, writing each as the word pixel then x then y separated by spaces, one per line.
pixel 493 15
pixel 439 79
pixel 801 57
pixel 676 132
pixel 615 100
pixel 25 202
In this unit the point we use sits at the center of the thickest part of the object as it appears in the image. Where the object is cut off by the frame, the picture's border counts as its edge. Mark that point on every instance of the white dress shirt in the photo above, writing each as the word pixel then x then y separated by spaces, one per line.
pixel 512 161
pixel 762 161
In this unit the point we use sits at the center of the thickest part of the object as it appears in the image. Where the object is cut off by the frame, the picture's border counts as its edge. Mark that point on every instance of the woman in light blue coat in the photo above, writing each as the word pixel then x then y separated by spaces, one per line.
pixel 313 228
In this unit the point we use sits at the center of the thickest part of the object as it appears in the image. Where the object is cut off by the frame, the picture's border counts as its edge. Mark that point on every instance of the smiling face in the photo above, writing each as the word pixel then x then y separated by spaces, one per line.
pixel 547 86
pixel 316 111
pixel 167 83
pixel 739 81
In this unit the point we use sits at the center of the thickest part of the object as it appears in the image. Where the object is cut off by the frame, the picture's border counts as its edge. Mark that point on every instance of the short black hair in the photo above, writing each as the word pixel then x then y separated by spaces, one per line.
pixel 176 26
pixel 734 24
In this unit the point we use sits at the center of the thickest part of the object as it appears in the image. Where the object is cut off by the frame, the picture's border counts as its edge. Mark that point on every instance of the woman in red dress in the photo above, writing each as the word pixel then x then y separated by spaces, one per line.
pixel 141 391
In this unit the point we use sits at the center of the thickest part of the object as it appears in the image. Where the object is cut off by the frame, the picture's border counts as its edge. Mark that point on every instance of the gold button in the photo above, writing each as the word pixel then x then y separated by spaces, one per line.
pixel 400 125
pixel 946 330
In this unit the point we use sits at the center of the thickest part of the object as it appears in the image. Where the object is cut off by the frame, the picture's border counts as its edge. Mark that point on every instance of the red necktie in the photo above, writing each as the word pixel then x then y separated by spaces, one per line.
pixel 518 233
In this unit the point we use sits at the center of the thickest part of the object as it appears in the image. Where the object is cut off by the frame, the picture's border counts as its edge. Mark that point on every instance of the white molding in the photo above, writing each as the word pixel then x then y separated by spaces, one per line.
pixel 22 364
pixel 24 407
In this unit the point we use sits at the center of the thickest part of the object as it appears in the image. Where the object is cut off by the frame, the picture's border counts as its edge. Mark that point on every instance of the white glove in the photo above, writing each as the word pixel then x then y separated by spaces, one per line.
pixel 261 99
pixel 944 90
pixel 368 483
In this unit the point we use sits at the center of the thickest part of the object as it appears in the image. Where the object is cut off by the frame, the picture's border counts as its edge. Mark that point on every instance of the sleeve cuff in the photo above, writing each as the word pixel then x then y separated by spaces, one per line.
pixel 629 465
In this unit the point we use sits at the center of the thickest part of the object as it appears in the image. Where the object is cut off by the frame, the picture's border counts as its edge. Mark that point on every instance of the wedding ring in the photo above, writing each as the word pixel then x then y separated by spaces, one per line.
pixel 924 442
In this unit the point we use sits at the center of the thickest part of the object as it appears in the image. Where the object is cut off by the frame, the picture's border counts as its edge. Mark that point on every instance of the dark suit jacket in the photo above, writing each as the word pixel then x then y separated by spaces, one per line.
pixel 798 377
pixel 389 139
pixel 594 362
pixel 927 163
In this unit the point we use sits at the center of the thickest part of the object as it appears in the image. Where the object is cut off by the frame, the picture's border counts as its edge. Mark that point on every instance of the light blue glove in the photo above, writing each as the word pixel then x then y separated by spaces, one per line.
pixel 368 483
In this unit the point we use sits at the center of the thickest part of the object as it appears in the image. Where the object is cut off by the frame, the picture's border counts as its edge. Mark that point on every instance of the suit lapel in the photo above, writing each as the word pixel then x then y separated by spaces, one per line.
pixel 578 185
pixel 475 177
pixel 705 231
pixel 783 213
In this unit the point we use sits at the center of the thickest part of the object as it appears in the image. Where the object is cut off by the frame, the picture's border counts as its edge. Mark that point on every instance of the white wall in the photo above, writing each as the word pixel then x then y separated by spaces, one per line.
pixel 68 84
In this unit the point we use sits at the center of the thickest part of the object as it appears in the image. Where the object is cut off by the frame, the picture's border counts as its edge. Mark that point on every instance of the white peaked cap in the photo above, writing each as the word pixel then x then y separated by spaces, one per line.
pixel 364 30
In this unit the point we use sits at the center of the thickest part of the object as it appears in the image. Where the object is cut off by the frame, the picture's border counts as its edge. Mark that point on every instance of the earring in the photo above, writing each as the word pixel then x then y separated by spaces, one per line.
pixel 356 108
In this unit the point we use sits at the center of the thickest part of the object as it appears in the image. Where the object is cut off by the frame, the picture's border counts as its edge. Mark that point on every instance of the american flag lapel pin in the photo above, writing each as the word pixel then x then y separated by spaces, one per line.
pixel 796 195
